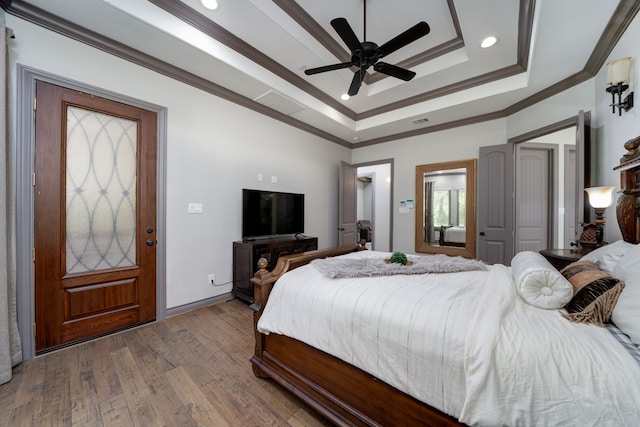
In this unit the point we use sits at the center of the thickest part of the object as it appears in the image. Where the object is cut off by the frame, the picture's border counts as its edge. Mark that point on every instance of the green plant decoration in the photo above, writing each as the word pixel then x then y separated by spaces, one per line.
pixel 399 258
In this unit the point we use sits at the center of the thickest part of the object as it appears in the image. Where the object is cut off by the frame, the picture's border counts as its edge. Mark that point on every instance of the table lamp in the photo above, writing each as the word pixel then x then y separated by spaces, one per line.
pixel 599 199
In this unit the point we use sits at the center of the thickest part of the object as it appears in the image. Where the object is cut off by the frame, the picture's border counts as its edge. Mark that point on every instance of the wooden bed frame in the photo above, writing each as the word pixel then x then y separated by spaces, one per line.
pixel 342 393
pixel 346 395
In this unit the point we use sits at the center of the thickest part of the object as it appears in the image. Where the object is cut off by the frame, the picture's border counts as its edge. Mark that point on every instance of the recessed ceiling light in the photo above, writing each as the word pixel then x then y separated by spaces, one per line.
pixel 210 4
pixel 488 42
pixel 345 96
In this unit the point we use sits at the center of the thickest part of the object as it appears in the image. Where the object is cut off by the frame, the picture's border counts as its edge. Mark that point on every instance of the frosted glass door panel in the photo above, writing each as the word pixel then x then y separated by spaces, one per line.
pixel 101 182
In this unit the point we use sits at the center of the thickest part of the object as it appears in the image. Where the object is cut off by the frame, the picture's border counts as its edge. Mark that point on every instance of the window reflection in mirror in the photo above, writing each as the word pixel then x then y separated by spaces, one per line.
pixel 444 192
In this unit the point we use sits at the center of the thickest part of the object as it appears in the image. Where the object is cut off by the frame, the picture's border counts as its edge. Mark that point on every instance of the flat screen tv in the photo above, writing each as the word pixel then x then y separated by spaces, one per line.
pixel 271 213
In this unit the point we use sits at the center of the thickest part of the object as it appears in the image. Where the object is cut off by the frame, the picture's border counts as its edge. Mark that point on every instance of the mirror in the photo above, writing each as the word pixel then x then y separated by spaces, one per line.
pixel 446 208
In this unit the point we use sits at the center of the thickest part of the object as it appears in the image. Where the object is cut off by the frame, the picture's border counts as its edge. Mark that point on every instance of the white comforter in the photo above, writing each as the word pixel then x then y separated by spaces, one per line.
pixel 464 343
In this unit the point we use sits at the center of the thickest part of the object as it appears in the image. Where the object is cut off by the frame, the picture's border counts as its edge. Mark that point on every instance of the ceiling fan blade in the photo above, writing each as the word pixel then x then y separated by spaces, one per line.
pixel 358 77
pixel 394 71
pixel 345 32
pixel 317 70
pixel 412 34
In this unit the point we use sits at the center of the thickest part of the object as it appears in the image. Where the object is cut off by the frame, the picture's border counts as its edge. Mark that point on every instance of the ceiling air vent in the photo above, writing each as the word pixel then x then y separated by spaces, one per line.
pixel 279 102
pixel 420 121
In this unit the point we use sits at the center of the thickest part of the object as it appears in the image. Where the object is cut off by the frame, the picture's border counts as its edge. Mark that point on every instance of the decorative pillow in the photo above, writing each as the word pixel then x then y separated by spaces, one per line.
pixel 538 282
pixel 595 293
pixel 626 314
pixel 608 256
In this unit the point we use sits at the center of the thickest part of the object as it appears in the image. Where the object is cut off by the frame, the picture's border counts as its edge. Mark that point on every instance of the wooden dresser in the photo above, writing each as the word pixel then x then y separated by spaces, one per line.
pixel 247 253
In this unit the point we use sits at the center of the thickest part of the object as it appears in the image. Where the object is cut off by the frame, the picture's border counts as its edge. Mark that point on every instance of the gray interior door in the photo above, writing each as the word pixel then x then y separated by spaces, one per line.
pixel 347 209
pixel 534 197
pixel 495 204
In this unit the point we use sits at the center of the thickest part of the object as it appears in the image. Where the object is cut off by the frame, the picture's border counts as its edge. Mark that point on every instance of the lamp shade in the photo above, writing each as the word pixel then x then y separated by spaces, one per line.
pixel 618 71
pixel 600 197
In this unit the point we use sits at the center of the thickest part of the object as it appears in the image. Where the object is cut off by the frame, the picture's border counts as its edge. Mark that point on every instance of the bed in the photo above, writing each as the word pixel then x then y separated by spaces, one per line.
pixel 521 362
pixel 452 236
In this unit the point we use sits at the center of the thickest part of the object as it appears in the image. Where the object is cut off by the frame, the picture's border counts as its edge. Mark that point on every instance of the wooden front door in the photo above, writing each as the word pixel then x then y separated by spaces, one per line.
pixel 95 216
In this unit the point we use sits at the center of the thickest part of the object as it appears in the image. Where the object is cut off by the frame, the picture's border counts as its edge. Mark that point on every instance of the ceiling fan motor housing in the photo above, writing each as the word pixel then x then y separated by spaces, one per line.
pixel 365 56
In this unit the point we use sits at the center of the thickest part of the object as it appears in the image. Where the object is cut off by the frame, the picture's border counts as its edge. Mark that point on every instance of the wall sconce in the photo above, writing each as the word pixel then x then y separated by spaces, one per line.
pixel 600 200
pixel 618 79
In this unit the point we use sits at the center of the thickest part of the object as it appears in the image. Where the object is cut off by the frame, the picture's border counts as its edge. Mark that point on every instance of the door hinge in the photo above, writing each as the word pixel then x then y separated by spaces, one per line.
pixel 34 103
pixel 33 179
pixel 34 329
pixel 33 254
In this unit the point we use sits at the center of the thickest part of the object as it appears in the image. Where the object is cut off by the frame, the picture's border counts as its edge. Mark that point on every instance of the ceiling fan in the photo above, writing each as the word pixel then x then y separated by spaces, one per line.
pixel 367 54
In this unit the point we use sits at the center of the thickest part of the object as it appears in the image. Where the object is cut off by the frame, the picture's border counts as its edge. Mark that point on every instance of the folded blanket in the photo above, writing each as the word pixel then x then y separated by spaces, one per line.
pixel 368 267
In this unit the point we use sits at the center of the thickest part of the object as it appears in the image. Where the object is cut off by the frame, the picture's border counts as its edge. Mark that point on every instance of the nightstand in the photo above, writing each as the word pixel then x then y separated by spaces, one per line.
pixel 560 258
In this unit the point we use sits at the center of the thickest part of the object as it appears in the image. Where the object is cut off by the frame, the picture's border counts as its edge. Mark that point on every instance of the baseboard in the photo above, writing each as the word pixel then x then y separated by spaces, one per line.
pixel 199 304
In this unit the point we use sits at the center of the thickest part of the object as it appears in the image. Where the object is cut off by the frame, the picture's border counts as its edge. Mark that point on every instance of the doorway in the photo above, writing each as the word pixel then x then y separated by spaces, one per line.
pixel 497 197
pixel 374 203
pixel 553 155
pixel 26 203
pixel 94 216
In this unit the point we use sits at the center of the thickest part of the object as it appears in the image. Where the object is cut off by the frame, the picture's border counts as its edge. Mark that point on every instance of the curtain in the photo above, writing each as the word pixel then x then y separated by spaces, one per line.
pixel 10 347
pixel 428 211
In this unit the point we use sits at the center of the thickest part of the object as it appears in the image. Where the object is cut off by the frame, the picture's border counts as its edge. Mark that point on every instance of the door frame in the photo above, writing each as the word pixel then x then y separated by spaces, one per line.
pixel 23 148
pixel 391 185
pixel 584 148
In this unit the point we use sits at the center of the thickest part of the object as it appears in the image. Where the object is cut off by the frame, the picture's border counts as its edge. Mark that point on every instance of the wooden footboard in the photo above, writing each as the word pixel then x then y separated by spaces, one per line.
pixel 342 393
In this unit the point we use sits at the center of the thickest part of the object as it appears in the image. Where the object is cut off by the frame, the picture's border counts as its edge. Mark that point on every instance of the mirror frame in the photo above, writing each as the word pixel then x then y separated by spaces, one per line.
pixel 469 250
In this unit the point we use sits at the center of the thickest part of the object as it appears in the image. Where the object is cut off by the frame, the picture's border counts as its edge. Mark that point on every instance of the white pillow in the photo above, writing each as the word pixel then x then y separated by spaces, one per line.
pixel 538 282
pixel 626 313
pixel 608 256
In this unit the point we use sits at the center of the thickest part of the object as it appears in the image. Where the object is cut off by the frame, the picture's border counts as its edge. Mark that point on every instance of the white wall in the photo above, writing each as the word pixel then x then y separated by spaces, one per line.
pixel 214 149
pixel 612 131
pixel 561 106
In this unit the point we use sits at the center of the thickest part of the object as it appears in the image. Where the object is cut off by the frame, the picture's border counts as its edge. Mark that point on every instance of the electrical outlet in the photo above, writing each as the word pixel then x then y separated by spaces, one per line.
pixel 212 279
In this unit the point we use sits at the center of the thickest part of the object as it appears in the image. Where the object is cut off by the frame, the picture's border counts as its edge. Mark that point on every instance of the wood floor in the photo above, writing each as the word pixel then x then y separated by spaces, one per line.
pixel 189 370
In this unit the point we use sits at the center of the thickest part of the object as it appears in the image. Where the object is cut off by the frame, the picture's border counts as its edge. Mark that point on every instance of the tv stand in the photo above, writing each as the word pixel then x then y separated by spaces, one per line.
pixel 246 254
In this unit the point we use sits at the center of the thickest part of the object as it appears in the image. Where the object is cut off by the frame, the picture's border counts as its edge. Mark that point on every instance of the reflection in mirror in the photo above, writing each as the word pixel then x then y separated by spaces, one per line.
pixel 445 208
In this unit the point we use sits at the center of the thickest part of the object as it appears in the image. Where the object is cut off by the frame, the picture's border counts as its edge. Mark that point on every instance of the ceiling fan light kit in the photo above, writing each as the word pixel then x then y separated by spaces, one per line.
pixel 366 54
pixel 210 4
pixel 488 42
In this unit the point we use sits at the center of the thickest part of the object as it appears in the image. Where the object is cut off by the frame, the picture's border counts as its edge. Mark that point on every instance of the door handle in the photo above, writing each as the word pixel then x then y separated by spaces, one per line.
pixel 482 233
pixel 149 242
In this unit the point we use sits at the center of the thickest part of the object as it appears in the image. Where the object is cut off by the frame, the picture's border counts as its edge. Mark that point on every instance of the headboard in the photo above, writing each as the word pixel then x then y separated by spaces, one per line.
pixel 628 204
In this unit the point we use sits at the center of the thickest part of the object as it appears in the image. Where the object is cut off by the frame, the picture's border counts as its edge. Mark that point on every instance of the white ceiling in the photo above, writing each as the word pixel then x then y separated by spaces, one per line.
pixel 253 47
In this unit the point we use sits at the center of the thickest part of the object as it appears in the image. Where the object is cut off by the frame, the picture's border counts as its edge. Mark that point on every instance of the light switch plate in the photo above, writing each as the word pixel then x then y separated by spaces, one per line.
pixel 195 208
